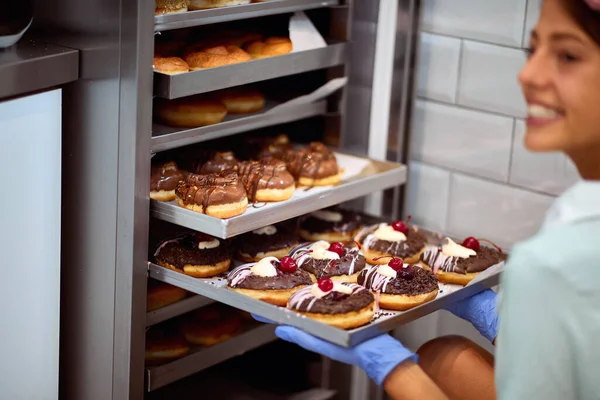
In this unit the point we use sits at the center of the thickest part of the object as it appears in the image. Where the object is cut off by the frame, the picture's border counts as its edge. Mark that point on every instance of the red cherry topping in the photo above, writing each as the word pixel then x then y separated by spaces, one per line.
pixel 325 284
pixel 288 264
pixel 401 226
pixel 471 243
pixel 396 264
pixel 337 247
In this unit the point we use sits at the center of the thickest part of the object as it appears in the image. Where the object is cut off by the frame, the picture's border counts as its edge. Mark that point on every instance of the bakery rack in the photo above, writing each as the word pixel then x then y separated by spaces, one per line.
pixel 109 139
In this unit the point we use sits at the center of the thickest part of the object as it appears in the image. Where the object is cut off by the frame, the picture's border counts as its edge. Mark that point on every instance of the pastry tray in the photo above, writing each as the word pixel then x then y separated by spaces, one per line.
pixel 225 14
pixel 385 320
pixel 207 80
pixel 166 138
pixel 361 176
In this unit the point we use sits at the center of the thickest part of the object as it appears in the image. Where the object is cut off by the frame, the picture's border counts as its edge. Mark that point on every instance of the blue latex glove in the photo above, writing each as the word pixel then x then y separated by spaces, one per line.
pixel 480 310
pixel 377 356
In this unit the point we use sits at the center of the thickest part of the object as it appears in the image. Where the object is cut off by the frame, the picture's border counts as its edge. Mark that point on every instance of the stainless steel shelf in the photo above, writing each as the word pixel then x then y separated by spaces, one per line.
pixel 225 14
pixel 166 138
pixel 216 289
pixel 207 80
pixel 173 310
pixel 32 65
pixel 361 177
pixel 202 358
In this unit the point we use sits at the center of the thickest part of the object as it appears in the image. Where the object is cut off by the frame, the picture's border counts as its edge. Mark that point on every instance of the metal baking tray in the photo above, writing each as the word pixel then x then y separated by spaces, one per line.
pixel 215 288
pixel 202 358
pixel 167 138
pixel 225 14
pixel 361 177
pixel 207 80
pixel 173 310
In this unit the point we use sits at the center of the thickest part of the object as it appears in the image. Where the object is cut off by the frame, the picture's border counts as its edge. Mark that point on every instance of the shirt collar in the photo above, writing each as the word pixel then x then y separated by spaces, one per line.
pixel 580 202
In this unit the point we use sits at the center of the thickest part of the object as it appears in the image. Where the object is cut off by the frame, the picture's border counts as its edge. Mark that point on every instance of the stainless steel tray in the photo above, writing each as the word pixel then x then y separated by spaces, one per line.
pixel 190 83
pixel 166 138
pixel 361 177
pixel 173 310
pixel 202 358
pixel 215 288
pixel 217 15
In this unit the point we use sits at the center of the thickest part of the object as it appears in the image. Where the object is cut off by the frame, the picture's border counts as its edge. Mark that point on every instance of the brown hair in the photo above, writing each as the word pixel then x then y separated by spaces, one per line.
pixel 587 18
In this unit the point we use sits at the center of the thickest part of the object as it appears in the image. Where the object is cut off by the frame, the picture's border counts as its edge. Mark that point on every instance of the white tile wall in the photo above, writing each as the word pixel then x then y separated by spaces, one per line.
pixel 500 213
pixel 462 140
pixel 428 191
pixel 488 78
pixel 495 21
pixel 533 10
pixel 546 172
pixel 438 67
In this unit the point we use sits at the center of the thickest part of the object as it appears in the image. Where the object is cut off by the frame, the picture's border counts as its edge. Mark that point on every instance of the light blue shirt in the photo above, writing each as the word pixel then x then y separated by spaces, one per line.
pixel 548 345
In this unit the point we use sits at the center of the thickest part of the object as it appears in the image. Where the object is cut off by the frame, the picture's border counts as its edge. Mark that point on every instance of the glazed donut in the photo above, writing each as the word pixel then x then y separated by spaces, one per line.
pixel 219 195
pixel 267 281
pixel 207 4
pixel 170 6
pixel 242 100
pixel 266 180
pixel 268 241
pixel 457 264
pixel 217 56
pixel 342 305
pixel 332 224
pixel 190 112
pixel 164 178
pixel 314 165
pixel 164 345
pixel 211 325
pixel 194 254
pixel 161 294
pixel 170 65
pixel 399 286
pixel 269 47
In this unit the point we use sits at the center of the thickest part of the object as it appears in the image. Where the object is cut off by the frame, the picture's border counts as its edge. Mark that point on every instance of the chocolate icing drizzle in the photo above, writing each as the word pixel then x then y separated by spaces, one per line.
pixel 183 250
pixel 332 303
pixel 220 160
pixel 164 176
pixel 315 162
pixel 485 258
pixel 213 189
pixel 415 241
pixel 243 278
pixel 420 282
pixel 264 174
pixel 349 263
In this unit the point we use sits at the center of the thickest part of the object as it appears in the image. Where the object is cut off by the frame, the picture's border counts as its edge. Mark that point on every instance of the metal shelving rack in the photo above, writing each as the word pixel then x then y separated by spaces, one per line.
pixel 109 138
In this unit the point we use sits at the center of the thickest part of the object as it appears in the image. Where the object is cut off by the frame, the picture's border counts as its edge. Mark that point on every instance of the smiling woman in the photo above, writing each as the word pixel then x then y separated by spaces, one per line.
pixel 561 83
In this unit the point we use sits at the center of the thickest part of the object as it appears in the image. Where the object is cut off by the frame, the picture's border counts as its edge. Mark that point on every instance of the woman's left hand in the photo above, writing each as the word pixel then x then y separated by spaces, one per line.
pixel 377 356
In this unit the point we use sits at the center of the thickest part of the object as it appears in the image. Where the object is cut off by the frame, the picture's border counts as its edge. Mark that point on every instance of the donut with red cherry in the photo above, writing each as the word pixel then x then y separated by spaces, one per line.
pixel 399 286
pixel 459 264
pixel 339 261
pixel 340 304
pixel 269 280
pixel 398 239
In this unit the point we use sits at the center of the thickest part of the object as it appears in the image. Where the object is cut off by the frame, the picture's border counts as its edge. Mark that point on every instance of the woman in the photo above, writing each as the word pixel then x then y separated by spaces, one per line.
pixel 550 311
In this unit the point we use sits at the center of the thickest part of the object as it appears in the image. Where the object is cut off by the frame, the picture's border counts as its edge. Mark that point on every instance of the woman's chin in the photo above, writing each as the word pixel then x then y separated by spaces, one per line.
pixel 544 139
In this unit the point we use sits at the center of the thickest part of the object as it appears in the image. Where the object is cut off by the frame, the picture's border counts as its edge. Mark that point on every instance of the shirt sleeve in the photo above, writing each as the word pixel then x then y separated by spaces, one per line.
pixel 535 352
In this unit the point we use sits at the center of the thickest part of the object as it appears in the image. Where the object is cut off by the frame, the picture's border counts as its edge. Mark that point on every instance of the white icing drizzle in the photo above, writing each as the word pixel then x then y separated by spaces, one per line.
pixel 267 230
pixel 436 259
pixel 318 251
pixel 329 216
pixel 376 281
pixel 306 294
pixel 211 244
pixel 240 273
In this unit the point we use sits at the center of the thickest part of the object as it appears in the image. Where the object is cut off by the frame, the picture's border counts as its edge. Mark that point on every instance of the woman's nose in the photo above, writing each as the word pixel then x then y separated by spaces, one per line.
pixel 536 72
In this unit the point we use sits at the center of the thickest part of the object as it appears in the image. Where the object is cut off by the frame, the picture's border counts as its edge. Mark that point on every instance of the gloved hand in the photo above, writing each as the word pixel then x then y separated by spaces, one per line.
pixel 377 356
pixel 480 310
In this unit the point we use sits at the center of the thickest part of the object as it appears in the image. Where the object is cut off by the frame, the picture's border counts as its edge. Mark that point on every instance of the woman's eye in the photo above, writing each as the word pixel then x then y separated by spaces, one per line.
pixel 567 57
pixel 529 51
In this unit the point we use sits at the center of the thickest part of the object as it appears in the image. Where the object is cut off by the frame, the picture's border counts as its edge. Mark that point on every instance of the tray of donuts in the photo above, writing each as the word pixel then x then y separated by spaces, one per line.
pixel 262 180
pixel 335 273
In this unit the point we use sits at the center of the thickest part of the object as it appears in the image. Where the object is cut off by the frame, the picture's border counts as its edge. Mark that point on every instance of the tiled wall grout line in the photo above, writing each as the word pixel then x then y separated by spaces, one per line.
pixel 460 60
pixel 512 146
pixel 473 40
pixel 470 108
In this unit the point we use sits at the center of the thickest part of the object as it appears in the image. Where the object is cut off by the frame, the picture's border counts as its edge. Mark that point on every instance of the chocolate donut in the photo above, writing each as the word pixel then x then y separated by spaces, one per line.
pixel 276 147
pixel 211 325
pixel 266 281
pixel 400 287
pixel 164 178
pixel 314 165
pixel 266 180
pixel 332 224
pixel 339 261
pixel 218 161
pixel 381 242
pixel 219 195
pixel 195 254
pixel 340 304
pixel 457 264
pixel 269 241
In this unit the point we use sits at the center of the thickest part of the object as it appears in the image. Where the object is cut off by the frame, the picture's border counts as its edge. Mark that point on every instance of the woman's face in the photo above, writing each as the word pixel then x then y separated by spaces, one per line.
pixel 561 84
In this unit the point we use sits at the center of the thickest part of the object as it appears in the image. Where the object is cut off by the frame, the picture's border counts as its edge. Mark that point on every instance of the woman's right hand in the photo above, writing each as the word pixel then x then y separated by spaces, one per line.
pixel 479 310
